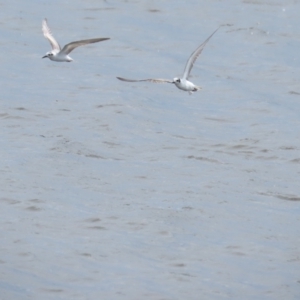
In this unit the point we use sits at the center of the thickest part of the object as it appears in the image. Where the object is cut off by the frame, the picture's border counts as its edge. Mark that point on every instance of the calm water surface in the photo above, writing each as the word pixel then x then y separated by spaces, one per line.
pixel 114 190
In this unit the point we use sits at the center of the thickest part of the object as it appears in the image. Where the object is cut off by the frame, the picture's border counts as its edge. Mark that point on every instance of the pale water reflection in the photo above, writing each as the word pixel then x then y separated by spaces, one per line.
pixel 126 191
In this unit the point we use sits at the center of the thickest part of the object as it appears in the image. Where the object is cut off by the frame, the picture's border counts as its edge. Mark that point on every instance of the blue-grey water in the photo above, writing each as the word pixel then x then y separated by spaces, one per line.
pixel 115 190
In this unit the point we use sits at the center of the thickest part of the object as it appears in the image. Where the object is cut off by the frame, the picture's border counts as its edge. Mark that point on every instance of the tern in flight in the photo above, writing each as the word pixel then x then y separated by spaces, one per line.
pixel 182 83
pixel 61 55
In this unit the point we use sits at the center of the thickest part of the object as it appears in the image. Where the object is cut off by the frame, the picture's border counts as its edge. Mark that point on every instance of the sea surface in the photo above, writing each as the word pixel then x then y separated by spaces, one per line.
pixel 128 191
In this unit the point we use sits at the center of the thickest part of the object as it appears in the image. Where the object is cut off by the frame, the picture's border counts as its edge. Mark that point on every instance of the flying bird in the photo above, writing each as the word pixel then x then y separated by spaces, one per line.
pixel 181 83
pixel 62 55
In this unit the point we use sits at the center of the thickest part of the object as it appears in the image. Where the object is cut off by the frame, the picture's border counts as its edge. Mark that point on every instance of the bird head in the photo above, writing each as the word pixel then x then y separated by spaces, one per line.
pixel 176 80
pixel 48 54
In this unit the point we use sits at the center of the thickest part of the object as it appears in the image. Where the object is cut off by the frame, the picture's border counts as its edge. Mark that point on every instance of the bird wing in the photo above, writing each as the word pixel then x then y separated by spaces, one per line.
pixel 150 80
pixel 194 56
pixel 48 35
pixel 71 46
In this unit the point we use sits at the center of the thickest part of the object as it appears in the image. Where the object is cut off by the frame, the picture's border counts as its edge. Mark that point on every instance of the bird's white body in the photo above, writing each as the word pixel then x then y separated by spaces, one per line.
pixel 58 56
pixel 62 55
pixel 186 85
pixel 182 83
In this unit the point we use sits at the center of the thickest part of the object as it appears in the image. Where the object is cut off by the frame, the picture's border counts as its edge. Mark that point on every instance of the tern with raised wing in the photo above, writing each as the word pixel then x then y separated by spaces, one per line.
pixel 181 83
pixel 62 55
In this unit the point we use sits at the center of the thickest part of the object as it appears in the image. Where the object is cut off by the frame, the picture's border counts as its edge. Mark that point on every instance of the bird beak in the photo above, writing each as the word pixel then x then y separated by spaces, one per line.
pixel 45 56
